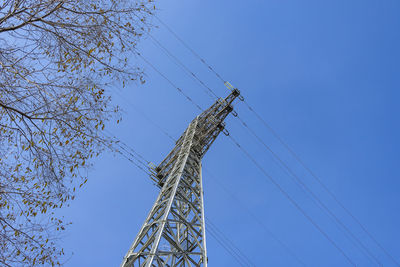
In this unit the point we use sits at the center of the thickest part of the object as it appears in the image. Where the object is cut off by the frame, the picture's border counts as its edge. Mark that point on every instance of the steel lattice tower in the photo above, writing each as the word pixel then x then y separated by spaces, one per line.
pixel 174 231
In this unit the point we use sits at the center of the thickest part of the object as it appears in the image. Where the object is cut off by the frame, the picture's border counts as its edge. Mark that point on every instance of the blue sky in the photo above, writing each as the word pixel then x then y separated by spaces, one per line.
pixel 323 74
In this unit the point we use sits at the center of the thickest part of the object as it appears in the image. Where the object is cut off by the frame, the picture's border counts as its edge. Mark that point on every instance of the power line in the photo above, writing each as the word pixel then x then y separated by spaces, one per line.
pixel 246 209
pixel 331 194
pixel 228 243
pixel 170 82
pixel 133 154
pixel 283 191
pixel 143 169
pixel 145 116
pixel 234 255
pixel 189 48
pixel 271 179
pixel 284 144
pixel 314 197
pixel 144 166
pixel 127 148
pixel 178 62
pixel 134 157
pixel 225 242
pixel 297 180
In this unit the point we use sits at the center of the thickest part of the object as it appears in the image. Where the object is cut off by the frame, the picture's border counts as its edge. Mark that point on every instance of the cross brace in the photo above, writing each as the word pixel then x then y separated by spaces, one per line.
pixel 173 233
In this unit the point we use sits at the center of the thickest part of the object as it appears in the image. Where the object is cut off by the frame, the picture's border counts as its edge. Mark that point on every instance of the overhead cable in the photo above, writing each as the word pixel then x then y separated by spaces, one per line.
pixel 125 99
pixel 297 206
pixel 297 180
pixel 228 243
pixel 170 82
pixel 255 218
pixel 208 90
pixel 287 147
pixel 314 197
pixel 234 255
pixel 189 48
pixel 307 216
pixel 143 166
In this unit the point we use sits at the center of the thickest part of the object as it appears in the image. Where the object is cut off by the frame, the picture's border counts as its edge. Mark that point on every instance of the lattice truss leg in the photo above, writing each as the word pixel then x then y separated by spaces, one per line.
pixel 174 233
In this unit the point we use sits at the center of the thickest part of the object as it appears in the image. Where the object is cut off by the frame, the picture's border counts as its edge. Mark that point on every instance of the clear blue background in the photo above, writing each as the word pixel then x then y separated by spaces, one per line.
pixel 324 74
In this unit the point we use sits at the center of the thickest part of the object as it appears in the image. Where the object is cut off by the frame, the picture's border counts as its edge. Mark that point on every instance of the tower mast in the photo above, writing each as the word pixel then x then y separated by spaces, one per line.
pixel 173 233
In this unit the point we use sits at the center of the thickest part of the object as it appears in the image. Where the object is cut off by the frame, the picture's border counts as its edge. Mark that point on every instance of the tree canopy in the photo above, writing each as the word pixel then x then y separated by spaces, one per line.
pixel 57 58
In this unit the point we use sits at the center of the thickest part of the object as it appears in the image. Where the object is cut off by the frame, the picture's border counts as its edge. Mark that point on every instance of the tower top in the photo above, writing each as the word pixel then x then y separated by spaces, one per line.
pixel 210 125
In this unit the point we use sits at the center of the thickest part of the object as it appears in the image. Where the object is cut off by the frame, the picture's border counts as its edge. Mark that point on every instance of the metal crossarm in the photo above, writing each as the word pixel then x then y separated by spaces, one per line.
pixel 210 125
pixel 173 233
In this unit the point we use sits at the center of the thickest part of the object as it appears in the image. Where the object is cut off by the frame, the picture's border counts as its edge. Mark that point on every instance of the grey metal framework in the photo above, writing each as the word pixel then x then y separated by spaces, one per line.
pixel 174 231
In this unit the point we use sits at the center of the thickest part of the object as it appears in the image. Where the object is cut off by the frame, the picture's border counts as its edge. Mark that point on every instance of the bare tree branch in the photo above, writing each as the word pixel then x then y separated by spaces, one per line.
pixel 56 59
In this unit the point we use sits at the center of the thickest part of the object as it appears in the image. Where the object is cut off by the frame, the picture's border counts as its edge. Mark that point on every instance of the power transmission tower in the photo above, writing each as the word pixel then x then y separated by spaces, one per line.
pixel 174 231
